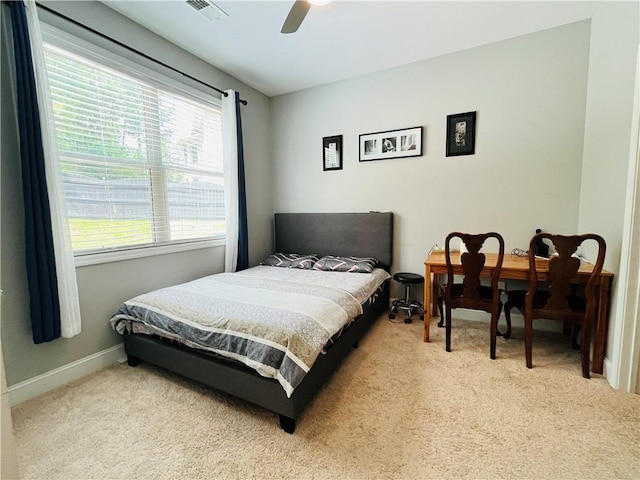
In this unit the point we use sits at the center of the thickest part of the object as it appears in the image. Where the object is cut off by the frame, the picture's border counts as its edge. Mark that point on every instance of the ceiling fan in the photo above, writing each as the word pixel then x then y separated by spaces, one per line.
pixel 297 13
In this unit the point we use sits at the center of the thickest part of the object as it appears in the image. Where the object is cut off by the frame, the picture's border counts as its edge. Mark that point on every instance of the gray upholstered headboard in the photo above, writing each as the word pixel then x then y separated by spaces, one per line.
pixel 343 234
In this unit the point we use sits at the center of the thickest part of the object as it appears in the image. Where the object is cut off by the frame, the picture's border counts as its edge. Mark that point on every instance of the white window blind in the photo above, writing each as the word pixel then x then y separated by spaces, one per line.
pixel 141 165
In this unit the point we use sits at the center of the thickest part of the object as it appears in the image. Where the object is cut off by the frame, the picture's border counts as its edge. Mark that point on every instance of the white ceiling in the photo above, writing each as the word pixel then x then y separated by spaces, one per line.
pixel 340 40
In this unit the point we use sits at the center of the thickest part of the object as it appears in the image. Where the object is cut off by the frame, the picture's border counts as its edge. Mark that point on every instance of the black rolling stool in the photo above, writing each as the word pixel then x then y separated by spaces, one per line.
pixel 406 304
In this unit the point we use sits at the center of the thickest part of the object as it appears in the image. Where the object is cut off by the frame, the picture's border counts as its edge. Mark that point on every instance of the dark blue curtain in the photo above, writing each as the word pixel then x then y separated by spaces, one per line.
pixel 243 235
pixel 40 260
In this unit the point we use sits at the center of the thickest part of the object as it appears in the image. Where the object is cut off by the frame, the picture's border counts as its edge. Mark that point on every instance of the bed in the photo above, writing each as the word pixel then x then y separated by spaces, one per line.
pixel 212 330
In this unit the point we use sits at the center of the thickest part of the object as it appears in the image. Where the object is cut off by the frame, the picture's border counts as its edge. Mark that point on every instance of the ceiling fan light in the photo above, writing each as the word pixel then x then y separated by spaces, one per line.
pixel 318 3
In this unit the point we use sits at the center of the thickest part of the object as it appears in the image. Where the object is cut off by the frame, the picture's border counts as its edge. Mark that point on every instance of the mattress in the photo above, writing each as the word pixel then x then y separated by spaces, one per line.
pixel 274 320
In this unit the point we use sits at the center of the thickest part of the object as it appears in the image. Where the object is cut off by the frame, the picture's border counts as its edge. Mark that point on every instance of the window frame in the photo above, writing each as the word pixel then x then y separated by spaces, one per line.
pixel 157 78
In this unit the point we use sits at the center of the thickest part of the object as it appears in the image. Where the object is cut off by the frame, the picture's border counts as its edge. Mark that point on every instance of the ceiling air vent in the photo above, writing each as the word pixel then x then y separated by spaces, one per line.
pixel 207 9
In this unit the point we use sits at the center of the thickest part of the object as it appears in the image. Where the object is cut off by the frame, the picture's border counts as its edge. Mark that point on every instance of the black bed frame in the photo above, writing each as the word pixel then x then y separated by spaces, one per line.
pixel 344 234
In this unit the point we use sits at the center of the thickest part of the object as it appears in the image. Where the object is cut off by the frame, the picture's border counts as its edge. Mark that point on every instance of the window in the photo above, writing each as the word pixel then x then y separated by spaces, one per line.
pixel 141 163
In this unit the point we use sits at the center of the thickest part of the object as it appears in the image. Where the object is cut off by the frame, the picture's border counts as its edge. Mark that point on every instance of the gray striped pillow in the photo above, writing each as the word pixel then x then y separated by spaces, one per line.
pixel 290 260
pixel 346 264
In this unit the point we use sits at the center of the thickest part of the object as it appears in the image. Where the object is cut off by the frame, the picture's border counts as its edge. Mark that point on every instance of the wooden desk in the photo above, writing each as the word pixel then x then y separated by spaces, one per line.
pixel 517 268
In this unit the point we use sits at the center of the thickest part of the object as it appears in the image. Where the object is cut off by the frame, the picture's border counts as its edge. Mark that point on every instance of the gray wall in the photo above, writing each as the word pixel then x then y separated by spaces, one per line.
pixel 530 97
pixel 103 287
pixel 607 160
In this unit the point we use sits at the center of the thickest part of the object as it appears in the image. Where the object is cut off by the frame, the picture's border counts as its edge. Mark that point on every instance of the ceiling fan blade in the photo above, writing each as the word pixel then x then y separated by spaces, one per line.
pixel 296 16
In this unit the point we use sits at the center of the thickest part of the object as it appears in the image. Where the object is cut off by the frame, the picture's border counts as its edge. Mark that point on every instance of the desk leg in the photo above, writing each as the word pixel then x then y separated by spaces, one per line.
pixel 427 301
pixel 435 289
pixel 602 326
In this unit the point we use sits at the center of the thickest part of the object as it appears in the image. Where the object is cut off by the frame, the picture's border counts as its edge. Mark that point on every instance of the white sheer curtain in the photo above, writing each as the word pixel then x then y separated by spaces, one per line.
pixel 230 157
pixel 65 267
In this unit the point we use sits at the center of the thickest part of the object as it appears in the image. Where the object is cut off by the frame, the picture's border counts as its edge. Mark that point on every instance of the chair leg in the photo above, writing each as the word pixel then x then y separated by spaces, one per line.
pixel 494 334
pixel 528 339
pixel 494 331
pixel 507 315
pixel 575 331
pixel 440 304
pixel 448 329
pixel 586 347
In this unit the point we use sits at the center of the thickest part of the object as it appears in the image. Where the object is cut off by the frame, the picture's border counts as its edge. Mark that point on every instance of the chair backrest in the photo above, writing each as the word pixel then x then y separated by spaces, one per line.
pixel 562 269
pixel 473 261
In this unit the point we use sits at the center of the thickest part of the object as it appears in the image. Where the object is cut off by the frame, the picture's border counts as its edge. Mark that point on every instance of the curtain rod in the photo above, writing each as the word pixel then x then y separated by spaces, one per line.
pixel 131 49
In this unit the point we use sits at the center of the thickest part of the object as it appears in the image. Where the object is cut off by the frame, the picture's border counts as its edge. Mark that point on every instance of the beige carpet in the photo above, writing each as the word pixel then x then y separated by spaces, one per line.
pixel 397 408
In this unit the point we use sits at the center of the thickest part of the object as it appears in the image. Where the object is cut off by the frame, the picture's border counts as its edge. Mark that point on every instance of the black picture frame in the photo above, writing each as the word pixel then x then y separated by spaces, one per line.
pixel 406 142
pixel 332 153
pixel 461 134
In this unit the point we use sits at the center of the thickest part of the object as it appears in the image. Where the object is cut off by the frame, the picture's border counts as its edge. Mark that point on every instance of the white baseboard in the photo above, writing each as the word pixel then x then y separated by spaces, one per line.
pixel 609 373
pixel 71 372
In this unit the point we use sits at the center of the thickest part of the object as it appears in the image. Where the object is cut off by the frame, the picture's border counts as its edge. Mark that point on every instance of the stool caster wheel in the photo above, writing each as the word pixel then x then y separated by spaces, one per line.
pixel 392 316
pixel 407 320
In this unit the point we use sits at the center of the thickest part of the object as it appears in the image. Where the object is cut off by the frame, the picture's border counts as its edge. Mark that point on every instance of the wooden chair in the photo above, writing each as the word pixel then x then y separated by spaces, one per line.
pixel 561 300
pixel 470 293
pixel 506 334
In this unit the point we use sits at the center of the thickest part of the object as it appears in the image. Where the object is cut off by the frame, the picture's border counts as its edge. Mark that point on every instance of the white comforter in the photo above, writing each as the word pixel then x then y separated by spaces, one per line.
pixel 274 320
